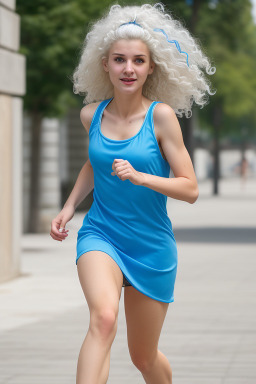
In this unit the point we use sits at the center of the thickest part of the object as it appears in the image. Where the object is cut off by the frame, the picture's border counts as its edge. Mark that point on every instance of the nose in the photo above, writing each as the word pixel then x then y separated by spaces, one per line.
pixel 128 67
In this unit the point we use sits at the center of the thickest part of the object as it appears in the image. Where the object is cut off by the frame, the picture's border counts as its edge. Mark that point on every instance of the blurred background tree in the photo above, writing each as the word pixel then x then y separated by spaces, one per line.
pixel 230 35
pixel 227 34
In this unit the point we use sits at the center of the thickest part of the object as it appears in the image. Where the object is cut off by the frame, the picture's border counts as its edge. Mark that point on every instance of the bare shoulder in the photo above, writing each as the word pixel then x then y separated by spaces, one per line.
pixel 86 114
pixel 166 122
pixel 164 113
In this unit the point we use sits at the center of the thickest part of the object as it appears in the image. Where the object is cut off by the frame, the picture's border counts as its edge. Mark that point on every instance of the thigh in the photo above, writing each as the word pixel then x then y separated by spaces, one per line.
pixel 144 319
pixel 101 279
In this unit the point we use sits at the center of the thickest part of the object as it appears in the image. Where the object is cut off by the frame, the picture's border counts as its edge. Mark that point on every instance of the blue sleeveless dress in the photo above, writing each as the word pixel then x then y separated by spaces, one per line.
pixel 130 222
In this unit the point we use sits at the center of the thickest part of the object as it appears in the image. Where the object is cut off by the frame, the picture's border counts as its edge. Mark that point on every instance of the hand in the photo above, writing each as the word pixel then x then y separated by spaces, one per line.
pixel 58 231
pixel 124 170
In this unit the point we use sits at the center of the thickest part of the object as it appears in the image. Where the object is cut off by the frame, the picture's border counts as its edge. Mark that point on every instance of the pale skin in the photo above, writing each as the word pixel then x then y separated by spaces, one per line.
pixel 100 277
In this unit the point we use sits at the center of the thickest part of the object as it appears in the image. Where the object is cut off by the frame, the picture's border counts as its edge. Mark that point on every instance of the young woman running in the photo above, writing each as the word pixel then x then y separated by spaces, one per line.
pixel 139 68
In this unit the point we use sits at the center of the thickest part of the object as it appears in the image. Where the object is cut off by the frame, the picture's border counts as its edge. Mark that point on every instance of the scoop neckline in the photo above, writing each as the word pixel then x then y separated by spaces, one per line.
pixel 130 138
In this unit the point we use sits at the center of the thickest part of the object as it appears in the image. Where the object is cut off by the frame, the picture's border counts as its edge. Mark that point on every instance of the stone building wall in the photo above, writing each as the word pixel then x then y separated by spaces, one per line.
pixel 12 87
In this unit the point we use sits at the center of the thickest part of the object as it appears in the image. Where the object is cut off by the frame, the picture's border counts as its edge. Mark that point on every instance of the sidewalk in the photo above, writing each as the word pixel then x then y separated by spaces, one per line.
pixel 209 334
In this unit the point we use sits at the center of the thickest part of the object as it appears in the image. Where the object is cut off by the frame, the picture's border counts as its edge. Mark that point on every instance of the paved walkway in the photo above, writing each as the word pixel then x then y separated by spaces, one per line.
pixel 209 334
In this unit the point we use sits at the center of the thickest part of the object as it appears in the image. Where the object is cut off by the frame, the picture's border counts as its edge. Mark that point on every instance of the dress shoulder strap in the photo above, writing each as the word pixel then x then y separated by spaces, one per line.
pixel 97 114
pixel 150 115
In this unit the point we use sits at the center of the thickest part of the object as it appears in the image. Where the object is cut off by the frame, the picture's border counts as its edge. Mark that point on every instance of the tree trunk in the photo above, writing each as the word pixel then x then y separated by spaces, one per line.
pixel 34 192
pixel 217 113
pixel 195 11
pixel 188 125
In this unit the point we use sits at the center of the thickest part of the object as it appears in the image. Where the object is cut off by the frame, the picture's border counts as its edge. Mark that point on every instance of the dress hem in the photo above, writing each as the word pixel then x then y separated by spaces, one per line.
pixel 133 285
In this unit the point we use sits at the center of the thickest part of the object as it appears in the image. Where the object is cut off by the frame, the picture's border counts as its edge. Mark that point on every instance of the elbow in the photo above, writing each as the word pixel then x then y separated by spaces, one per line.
pixel 193 196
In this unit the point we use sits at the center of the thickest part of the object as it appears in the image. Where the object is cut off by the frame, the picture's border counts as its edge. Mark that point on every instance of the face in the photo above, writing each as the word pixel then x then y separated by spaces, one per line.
pixel 128 64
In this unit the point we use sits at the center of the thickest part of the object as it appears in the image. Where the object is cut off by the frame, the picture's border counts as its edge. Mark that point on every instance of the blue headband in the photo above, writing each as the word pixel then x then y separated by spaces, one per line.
pixel 160 30
pixel 131 22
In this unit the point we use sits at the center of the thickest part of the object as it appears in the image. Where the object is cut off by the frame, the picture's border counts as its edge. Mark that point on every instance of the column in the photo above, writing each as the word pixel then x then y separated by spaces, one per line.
pixel 12 87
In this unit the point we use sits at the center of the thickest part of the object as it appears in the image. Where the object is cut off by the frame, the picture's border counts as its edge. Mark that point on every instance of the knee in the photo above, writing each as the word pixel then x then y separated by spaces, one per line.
pixel 143 361
pixel 103 322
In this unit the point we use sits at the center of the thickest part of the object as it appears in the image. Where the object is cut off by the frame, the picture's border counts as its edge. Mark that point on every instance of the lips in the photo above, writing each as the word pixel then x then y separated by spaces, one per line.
pixel 127 80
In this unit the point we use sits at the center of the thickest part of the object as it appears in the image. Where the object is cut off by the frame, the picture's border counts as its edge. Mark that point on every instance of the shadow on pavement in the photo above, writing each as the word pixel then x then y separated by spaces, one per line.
pixel 237 235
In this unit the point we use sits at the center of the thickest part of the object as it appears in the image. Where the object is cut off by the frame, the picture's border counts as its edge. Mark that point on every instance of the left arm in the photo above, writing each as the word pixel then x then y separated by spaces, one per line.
pixel 184 184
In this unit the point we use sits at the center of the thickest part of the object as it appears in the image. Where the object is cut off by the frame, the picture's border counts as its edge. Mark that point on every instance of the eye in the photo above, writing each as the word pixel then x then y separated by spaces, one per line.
pixel 119 59
pixel 140 60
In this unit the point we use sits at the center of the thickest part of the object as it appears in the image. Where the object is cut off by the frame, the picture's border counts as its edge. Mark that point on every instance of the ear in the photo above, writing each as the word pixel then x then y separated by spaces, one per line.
pixel 151 68
pixel 105 63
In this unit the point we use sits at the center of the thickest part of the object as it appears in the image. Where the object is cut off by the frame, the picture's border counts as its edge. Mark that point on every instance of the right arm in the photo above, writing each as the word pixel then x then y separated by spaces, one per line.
pixel 83 186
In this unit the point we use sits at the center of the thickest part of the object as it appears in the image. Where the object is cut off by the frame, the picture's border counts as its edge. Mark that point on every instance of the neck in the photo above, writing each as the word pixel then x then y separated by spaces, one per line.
pixel 124 105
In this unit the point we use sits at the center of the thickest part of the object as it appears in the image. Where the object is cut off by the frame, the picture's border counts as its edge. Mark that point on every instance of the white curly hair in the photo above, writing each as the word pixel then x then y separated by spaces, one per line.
pixel 174 81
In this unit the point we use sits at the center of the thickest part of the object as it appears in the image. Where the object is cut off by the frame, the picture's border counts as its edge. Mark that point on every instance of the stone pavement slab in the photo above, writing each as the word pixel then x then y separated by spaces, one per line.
pixel 209 334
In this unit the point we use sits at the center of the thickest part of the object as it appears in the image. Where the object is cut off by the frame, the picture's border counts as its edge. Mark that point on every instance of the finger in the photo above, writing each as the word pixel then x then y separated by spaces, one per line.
pixel 60 235
pixel 55 237
pixel 118 161
pixel 124 175
pixel 55 229
pixel 121 167
pixel 56 224
pixel 62 228
pixel 123 172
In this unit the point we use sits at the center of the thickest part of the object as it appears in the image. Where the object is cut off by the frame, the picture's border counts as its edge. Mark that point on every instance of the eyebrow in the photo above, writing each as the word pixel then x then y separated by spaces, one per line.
pixel 120 54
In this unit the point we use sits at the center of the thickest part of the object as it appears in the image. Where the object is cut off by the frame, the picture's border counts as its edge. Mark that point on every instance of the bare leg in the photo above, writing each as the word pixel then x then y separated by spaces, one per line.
pixel 101 280
pixel 93 363
pixel 159 371
pixel 105 368
pixel 144 319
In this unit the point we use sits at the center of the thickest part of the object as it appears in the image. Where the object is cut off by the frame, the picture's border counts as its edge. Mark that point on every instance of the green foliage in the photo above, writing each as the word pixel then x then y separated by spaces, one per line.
pixel 237 85
pixel 229 35
pixel 52 34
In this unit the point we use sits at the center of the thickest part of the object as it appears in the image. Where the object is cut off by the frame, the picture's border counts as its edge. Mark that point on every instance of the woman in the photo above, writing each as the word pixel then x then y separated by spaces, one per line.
pixel 136 77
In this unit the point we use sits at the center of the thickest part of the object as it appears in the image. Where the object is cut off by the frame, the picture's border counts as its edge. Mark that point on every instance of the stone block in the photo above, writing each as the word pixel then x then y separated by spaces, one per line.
pixel 49 167
pixel 49 152
pixel 49 137
pixel 49 182
pixel 50 199
pixel 12 74
pixel 8 3
pixel 9 29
